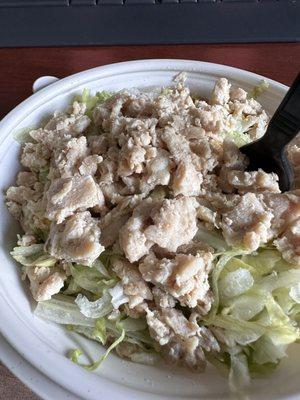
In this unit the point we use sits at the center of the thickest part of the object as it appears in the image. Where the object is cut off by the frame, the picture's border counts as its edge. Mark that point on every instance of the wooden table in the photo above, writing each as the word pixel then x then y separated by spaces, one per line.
pixel 20 67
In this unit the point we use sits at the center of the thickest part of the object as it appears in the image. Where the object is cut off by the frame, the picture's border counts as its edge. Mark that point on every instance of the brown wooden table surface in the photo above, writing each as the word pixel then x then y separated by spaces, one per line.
pixel 20 67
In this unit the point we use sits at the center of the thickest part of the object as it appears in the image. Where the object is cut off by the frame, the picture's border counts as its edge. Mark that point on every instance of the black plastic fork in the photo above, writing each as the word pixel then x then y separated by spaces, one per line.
pixel 269 152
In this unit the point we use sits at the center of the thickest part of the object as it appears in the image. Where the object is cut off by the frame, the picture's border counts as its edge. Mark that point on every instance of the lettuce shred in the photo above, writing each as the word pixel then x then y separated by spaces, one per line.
pixel 255 312
pixel 91 101
pixel 90 305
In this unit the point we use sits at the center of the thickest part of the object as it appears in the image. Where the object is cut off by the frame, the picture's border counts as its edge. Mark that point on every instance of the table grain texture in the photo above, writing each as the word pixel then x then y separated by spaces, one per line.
pixel 20 67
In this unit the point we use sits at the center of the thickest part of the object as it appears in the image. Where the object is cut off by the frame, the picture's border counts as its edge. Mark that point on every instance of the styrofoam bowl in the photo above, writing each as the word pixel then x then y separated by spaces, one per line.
pixel 43 345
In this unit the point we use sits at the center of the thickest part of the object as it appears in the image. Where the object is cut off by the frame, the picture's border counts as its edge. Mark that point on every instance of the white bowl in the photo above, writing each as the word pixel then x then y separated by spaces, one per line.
pixel 43 345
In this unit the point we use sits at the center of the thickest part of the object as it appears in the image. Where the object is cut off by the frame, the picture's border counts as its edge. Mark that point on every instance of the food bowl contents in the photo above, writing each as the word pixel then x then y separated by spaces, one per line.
pixel 144 231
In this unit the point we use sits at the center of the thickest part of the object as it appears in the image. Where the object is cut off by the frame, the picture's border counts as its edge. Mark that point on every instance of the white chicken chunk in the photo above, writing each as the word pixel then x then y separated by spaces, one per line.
pixel 68 159
pixel 45 281
pixel 220 93
pixel 132 239
pixel 187 180
pixel 185 277
pixel 289 243
pixel 174 223
pixel 253 181
pixel 248 222
pixel 77 239
pixel 133 284
pixel 182 340
pixel 157 171
pixel 65 196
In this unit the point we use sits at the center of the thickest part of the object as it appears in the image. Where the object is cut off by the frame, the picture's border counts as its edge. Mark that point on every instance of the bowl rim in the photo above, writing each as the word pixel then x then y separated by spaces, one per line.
pixel 10 122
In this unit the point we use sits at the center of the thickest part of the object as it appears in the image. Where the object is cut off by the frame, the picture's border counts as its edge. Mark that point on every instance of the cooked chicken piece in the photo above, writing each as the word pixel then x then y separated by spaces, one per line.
pixel 185 277
pixel 114 220
pixel 238 94
pixel 35 156
pixel 285 208
pixel 232 157
pixel 25 205
pixel 62 128
pixel 133 284
pixel 247 223
pixel 73 123
pixel 89 165
pixel 132 159
pixel 168 322
pixel 26 240
pixel 19 194
pixel 254 181
pixel 289 243
pixel 77 239
pixel 189 353
pixel 220 93
pixel 112 192
pixel 177 144
pixel 186 180
pixel 293 152
pixel 163 299
pixel 65 196
pixel 28 179
pixel 132 238
pixel 181 339
pixel 206 214
pixel 157 171
pixel 68 159
pixel 258 218
pixel 174 223
pixel 45 281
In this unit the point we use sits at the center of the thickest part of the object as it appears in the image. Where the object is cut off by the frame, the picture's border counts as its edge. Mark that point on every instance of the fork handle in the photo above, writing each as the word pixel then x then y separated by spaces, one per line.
pixel 286 120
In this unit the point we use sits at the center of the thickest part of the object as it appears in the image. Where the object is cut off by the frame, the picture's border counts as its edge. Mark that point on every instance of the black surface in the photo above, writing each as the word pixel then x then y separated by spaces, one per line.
pixel 108 22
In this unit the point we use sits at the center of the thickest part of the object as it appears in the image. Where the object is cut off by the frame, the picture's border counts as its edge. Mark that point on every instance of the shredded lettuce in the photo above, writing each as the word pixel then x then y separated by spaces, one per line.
pixel 62 309
pixel 91 305
pixel 117 296
pixel 91 101
pixel 235 283
pixel 90 279
pixel 255 313
pixel 239 138
pixel 43 174
pixel 239 377
pixel 75 354
pixel 212 238
pixel 259 89
pixel 22 135
pixel 33 255
pixel 94 309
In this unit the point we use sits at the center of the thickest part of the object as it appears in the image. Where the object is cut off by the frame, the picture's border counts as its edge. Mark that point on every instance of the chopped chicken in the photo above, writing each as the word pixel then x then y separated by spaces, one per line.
pixel 185 277
pixel 289 243
pixel 187 180
pixel 247 223
pixel 182 340
pixel 77 239
pixel 285 208
pixel 68 159
pixel 133 241
pixel 157 171
pixel 133 284
pixel 220 94
pixel 45 281
pixel 65 196
pixel 174 223
pixel 243 182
